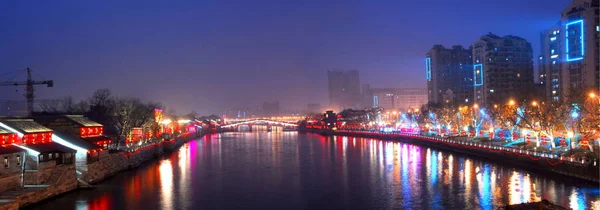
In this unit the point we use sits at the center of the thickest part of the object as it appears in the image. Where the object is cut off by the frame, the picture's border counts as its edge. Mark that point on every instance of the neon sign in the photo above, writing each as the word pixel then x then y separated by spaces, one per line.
pixel 575 53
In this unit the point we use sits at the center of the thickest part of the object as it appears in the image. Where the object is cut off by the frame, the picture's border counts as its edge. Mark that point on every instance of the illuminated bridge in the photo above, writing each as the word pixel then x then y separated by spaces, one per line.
pixel 240 124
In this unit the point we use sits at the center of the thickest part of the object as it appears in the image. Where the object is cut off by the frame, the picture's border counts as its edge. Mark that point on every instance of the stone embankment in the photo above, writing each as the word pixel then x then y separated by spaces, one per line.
pixel 58 179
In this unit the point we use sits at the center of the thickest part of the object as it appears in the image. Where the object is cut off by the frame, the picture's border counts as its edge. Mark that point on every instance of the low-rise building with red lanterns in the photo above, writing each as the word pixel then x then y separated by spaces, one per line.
pixel 12 160
pixel 43 155
pixel 79 133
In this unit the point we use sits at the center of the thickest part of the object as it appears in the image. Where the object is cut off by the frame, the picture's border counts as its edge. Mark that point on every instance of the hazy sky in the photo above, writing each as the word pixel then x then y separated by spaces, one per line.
pixel 206 55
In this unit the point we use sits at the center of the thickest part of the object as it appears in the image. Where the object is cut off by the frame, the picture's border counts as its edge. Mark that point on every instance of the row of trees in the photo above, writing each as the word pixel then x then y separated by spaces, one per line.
pixel 577 116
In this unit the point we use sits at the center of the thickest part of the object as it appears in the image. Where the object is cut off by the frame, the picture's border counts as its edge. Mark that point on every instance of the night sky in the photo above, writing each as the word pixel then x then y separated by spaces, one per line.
pixel 205 56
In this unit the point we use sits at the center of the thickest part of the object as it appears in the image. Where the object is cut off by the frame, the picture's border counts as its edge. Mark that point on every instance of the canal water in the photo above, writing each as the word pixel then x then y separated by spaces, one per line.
pixel 289 170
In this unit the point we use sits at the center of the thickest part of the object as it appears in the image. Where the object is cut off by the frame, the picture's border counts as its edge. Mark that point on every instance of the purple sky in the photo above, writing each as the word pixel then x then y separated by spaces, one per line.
pixel 203 56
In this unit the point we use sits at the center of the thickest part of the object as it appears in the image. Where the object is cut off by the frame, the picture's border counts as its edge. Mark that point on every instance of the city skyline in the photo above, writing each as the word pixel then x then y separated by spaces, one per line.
pixel 87 46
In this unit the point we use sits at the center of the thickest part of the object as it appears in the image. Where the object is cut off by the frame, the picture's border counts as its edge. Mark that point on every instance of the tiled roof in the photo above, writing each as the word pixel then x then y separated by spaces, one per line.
pixel 25 125
pixel 81 120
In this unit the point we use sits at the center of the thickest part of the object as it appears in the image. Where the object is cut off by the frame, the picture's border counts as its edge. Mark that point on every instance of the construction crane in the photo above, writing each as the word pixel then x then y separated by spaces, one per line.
pixel 29 88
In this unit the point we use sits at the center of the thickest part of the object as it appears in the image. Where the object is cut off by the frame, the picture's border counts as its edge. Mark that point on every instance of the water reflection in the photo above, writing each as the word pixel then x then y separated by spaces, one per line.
pixel 283 170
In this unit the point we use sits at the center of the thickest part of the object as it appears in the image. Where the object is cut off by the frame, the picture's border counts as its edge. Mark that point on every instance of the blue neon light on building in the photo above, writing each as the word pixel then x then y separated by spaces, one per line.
pixel 375 101
pixel 428 68
pixel 478 74
pixel 573 26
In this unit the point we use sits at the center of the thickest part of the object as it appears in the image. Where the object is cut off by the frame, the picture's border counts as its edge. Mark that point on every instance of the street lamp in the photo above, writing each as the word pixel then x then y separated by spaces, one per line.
pixel 534 103
pixel 511 102
pixel 592 95
pixel 475 106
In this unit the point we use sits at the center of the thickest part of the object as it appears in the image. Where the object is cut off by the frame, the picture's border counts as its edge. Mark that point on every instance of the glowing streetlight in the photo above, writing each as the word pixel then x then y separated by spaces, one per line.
pixel 534 103
pixel 416 110
pixel 495 105
pixel 570 134
pixel 511 102
pixel 592 95
pixel 394 113
pixel 475 106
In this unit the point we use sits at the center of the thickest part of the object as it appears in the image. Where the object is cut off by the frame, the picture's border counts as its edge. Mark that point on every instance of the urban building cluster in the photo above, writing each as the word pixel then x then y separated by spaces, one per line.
pixel 346 92
pixel 496 69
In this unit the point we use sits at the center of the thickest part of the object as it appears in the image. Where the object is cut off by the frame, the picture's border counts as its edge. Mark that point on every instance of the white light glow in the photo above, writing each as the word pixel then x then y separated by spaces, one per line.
pixel 65 143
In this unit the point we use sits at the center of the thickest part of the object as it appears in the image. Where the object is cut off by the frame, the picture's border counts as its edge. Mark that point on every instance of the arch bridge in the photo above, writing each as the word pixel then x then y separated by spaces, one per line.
pixel 234 125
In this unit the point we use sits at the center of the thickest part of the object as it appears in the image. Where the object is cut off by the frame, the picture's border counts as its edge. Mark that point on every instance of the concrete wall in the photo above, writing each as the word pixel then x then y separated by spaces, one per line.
pixel 64 181
pixel 10 177
pixel 110 164
pixel 10 182
pixel 9 206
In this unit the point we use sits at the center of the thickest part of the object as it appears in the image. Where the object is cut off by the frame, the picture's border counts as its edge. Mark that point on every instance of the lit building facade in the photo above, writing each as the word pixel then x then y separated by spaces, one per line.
pixel 569 59
pixel 549 63
pixel 449 75
pixel 399 99
pixel 344 89
pixel 502 69
pixel 580 30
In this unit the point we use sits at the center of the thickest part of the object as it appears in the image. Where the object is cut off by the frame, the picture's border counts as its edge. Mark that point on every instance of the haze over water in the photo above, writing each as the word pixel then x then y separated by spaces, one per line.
pixel 287 170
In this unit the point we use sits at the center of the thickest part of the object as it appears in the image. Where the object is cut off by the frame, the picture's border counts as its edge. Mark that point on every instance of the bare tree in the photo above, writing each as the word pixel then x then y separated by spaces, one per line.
pixel 67 105
pixel 82 107
pixel 101 97
pixel 50 106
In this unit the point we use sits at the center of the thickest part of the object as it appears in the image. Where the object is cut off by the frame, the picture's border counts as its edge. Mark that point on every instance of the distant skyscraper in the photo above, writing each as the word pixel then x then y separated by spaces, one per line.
pixel 569 60
pixel 449 75
pixel 502 69
pixel 344 89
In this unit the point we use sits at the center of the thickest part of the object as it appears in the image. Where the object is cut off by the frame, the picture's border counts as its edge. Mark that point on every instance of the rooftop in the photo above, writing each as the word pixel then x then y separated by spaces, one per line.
pixel 25 125
pixel 81 120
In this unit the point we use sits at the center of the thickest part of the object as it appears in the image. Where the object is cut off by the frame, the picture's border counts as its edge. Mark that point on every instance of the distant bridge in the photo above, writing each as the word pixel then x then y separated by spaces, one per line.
pixel 235 124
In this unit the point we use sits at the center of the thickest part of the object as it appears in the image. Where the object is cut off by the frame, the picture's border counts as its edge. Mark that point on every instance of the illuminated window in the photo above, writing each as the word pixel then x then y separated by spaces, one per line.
pixel 554 56
pixel 552 39
pixel 5 162
pixel 597 28
pixel 491 90
pixel 478 74
pixel 495 49
pixel 553 62
pixel 554 33
pixel 18 160
pixel 50 156
pixel 552 51
pixel 518 75
pixel 553 92
pixel 541 57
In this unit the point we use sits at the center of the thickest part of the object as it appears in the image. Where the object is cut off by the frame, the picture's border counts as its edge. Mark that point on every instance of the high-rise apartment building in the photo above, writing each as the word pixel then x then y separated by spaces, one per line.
pixel 549 63
pixel 449 75
pixel 580 66
pixel 502 69
pixel 569 58
pixel 344 89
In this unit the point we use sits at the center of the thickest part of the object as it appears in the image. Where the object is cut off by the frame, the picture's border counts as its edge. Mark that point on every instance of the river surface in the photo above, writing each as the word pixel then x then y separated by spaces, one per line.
pixel 289 170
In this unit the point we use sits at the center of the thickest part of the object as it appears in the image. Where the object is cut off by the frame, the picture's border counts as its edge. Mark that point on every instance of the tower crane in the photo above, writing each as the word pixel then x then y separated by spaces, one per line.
pixel 29 88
